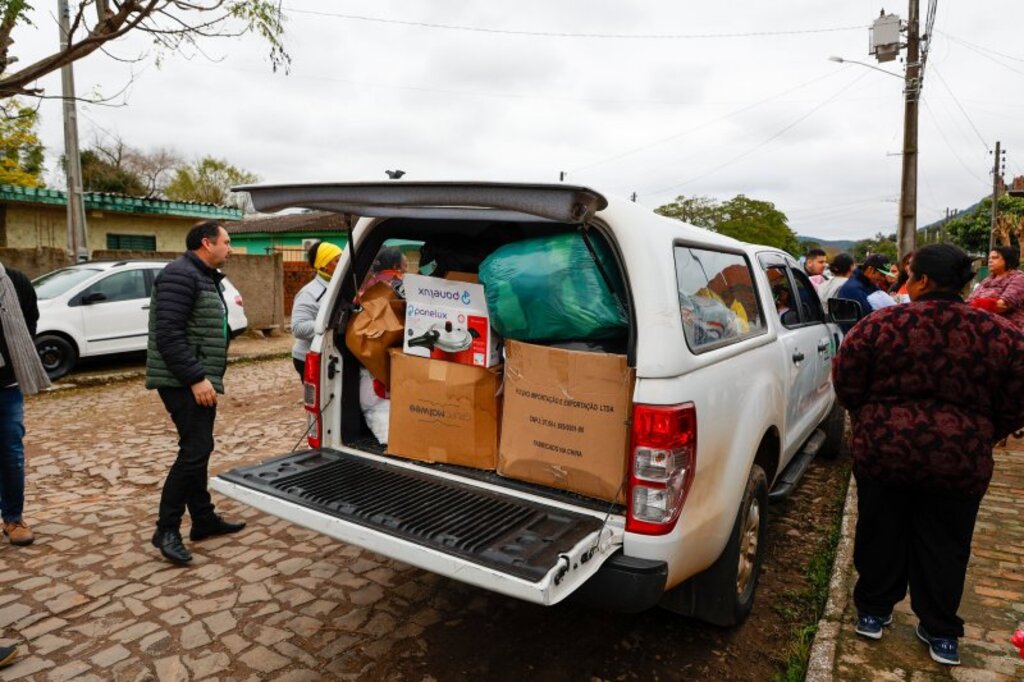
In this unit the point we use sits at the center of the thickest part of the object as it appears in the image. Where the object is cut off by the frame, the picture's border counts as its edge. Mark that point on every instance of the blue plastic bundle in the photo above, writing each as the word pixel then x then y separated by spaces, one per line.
pixel 552 289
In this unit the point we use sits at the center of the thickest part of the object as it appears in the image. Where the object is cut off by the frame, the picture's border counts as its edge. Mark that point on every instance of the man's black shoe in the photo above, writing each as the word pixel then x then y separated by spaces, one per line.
pixel 171 546
pixel 7 655
pixel 213 526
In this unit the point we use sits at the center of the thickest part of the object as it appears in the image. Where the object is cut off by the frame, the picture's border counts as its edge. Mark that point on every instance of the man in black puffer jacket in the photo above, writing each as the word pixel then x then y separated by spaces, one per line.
pixel 185 362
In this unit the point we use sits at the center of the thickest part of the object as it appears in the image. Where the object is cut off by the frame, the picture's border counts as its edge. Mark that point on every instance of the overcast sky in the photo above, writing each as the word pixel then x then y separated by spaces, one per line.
pixel 647 108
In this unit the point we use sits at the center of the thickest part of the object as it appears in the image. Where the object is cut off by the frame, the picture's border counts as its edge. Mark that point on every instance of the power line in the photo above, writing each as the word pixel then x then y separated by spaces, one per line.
pixel 983 52
pixel 961 107
pixel 674 136
pixel 444 91
pixel 929 24
pixel 813 212
pixel 956 120
pixel 981 47
pixel 561 34
pixel 770 139
pixel 951 149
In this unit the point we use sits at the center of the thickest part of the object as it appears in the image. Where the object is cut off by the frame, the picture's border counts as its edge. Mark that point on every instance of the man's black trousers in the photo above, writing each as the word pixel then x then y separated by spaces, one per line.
pixel 917 538
pixel 186 481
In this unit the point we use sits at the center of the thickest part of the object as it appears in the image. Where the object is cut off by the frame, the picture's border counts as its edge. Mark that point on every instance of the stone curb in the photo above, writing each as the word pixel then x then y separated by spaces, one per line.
pixel 85 381
pixel 821 662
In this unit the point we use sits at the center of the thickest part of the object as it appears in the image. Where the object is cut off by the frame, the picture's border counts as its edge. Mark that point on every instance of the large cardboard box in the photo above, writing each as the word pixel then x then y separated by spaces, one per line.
pixel 448 320
pixel 443 411
pixel 565 421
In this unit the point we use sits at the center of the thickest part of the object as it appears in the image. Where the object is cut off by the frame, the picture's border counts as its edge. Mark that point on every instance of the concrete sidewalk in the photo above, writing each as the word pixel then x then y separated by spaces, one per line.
pixel 992 606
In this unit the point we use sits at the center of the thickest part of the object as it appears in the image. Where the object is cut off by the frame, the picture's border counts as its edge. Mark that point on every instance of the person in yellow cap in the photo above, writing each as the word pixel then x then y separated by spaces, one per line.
pixel 323 257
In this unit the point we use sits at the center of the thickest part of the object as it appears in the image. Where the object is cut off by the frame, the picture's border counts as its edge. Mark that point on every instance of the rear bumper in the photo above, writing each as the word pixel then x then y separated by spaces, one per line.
pixel 624 584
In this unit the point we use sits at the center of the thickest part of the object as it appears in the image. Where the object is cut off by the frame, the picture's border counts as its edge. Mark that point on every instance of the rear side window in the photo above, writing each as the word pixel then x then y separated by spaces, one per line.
pixel 122 286
pixel 717 298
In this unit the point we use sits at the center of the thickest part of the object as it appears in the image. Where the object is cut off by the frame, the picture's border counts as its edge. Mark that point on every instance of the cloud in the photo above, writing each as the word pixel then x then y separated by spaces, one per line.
pixel 689 116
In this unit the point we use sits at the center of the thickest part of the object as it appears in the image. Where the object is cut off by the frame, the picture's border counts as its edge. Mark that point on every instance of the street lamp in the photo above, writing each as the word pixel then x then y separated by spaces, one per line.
pixel 906 227
pixel 841 60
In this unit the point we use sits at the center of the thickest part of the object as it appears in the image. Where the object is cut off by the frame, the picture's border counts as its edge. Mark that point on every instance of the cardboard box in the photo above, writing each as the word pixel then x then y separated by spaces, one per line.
pixel 565 420
pixel 448 320
pixel 443 411
pixel 457 276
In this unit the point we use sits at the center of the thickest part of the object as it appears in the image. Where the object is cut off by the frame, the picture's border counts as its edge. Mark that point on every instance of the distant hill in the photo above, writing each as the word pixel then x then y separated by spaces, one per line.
pixel 938 223
pixel 829 245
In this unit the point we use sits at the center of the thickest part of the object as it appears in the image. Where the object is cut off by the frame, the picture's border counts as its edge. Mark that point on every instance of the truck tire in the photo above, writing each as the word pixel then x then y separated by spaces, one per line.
pixel 835 431
pixel 723 594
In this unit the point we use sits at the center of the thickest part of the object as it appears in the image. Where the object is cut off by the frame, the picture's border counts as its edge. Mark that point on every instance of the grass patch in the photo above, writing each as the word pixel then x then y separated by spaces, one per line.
pixel 810 601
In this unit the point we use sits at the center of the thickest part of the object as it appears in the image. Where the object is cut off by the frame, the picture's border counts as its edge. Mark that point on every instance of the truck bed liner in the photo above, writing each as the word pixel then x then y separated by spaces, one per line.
pixel 513 536
pixel 370 444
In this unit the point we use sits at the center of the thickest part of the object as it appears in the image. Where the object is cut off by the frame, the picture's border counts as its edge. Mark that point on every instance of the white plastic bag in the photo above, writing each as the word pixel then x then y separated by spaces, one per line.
pixel 376 410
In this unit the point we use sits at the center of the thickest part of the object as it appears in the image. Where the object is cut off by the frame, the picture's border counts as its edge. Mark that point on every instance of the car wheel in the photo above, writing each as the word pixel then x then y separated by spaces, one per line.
pixel 748 539
pixel 57 354
pixel 835 430
pixel 724 593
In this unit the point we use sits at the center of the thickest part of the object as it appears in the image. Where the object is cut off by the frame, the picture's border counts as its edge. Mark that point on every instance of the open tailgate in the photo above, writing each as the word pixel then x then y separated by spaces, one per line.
pixel 449 200
pixel 519 545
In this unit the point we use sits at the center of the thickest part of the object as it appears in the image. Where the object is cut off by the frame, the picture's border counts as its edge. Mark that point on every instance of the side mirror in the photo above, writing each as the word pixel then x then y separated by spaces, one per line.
pixel 94 297
pixel 844 311
pixel 790 318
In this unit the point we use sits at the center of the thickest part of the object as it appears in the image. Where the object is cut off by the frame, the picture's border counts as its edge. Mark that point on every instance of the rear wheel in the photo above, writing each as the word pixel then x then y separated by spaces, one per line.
pixel 57 354
pixel 724 593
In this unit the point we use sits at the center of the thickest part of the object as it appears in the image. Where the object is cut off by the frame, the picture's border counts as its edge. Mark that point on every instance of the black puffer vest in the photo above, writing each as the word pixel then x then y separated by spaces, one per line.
pixel 188 331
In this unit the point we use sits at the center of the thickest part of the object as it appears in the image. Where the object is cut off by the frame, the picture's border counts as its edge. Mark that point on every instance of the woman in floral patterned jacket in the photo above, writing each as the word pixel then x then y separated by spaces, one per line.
pixel 1003 290
pixel 931 386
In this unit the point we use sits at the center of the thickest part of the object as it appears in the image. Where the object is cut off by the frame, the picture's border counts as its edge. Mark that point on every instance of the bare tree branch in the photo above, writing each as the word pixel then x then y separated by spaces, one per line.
pixel 172 23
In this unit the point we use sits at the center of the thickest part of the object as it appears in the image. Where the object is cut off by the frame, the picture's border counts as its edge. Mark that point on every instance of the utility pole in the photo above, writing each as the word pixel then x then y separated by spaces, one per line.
pixel 906 232
pixel 996 178
pixel 78 246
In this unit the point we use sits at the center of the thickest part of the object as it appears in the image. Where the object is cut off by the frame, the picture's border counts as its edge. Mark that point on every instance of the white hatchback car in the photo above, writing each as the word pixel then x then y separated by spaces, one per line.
pixel 102 308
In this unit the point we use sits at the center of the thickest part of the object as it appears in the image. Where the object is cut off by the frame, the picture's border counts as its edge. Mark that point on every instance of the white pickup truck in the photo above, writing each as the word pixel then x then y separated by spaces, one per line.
pixel 731 351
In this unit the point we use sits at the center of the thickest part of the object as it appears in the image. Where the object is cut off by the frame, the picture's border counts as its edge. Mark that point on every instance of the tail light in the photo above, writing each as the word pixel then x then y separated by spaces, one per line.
pixel 238 300
pixel 663 459
pixel 311 398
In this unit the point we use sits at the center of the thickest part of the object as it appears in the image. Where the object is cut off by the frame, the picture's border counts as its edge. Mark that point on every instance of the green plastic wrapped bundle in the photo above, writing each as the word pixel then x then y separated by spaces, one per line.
pixel 551 289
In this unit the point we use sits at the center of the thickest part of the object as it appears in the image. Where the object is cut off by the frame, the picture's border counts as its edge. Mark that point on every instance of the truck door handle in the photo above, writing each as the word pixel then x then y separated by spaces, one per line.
pixel 798 357
pixel 823 346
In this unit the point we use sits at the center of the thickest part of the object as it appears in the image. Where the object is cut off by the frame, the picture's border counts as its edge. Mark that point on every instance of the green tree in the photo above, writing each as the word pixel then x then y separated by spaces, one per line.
pixel 209 180
pixel 111 165
pixel 21 152
pixel 970 231
pixel 881 243
pixel 172 24
pixel 100 175
pixel 743 218
pixel 700 211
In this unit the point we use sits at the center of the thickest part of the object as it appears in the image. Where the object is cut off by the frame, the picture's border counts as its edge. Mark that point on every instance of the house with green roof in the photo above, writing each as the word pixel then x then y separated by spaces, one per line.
pixel 32 217
pixel 288 233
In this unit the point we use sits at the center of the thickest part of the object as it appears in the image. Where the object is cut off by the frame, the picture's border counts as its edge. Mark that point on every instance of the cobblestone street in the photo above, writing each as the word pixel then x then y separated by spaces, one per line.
pixel 91 599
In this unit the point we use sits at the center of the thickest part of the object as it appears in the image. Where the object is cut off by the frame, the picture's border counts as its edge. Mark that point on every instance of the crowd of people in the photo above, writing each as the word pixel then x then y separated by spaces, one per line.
pixel 932 382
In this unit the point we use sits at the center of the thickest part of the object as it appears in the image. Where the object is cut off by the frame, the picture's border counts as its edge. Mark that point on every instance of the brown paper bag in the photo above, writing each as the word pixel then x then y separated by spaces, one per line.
pixel 375 328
